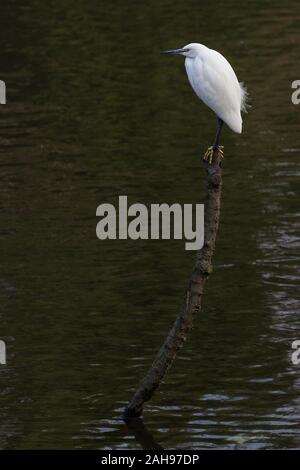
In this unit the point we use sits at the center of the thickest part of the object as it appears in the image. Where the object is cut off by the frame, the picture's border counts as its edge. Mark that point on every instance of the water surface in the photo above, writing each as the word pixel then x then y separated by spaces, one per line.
pixel 93 111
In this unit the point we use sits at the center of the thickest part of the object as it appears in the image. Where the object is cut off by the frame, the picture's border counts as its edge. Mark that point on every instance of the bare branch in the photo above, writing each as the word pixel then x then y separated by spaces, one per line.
pixel 193 296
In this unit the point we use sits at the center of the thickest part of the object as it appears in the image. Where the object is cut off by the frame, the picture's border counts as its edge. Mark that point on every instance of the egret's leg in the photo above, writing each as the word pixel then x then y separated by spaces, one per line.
pixel 216 148
pixel 218 133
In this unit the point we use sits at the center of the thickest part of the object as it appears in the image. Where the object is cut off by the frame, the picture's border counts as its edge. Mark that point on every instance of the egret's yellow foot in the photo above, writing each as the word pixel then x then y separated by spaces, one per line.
pixel 211 151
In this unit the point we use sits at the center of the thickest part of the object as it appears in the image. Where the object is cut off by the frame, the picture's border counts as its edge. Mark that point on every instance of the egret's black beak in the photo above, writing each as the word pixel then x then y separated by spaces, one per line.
pixel 174 51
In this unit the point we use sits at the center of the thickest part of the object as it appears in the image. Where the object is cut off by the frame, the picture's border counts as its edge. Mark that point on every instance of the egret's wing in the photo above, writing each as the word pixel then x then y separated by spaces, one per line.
pixel 216 84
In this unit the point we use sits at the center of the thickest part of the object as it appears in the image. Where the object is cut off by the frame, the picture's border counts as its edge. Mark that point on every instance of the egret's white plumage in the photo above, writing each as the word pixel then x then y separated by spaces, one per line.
pixel 215 83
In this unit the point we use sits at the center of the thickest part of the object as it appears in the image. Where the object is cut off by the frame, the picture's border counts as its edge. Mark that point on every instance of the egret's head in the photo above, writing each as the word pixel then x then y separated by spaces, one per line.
pixel 190 50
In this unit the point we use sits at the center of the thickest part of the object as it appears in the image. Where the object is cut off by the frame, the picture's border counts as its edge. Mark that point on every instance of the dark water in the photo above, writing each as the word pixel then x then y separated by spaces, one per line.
pixel 93 111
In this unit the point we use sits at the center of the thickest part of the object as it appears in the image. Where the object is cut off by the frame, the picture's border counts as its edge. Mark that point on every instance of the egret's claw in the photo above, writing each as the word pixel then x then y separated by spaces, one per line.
pixel 211 151
pixel 208 156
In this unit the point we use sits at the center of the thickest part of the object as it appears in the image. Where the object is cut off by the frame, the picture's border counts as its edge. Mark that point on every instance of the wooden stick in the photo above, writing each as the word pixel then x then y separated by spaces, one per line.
pixel 193 295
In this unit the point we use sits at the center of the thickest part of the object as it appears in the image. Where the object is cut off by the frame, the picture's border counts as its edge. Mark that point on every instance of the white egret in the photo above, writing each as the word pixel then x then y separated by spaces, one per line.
pixel 215 83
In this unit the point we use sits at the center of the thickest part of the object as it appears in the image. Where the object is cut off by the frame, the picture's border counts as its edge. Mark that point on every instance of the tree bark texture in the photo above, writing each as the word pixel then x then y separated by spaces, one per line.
pixel 192 299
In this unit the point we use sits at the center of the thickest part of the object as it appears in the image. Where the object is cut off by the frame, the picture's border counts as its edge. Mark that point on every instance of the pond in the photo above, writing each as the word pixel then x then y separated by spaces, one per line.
pixel 94 112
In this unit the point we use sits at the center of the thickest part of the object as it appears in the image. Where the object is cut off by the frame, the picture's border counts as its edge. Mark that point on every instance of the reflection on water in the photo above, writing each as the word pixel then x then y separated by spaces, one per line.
pixel 93 111
pixel 140 432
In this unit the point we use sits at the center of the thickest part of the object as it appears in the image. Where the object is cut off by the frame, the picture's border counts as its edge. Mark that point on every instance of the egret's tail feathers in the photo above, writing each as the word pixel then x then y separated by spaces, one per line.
pixel 234 122
pixel 236 125
pixel 245 98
